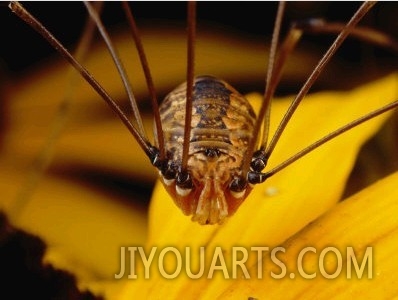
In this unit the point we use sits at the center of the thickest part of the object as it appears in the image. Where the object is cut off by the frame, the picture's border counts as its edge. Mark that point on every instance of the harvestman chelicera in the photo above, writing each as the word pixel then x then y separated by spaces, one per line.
pixel 208 147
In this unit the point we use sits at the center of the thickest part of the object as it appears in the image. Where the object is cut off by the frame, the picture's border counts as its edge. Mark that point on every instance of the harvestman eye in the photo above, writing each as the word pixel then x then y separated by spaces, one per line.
pixel 208 164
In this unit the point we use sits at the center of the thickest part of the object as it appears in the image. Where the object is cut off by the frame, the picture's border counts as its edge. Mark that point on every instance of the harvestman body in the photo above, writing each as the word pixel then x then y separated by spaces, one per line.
pixel 206 132
pixel 222 126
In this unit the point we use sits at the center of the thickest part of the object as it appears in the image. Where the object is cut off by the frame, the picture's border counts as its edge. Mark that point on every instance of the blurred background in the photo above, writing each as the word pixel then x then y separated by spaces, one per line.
pixel 241 20
pixel 96 159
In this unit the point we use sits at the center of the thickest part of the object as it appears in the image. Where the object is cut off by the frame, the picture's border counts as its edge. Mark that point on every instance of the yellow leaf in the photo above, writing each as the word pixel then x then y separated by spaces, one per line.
pixel 284 204
pixel 367 224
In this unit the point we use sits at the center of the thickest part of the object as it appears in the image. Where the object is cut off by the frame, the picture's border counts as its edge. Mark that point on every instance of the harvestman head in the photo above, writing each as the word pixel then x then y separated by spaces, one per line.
pixel 207 146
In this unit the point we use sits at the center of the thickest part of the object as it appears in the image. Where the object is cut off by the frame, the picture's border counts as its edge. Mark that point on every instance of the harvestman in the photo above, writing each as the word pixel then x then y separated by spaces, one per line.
pixel 206 133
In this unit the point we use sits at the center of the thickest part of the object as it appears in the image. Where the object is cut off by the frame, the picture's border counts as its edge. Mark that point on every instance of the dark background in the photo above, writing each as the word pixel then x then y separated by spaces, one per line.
pixel 21 46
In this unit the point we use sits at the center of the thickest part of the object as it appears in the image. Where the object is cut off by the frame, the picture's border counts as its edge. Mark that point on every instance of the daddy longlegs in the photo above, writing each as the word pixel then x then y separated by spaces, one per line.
pixel 210 176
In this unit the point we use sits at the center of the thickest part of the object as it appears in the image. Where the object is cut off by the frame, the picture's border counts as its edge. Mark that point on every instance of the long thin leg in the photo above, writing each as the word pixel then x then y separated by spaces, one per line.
pixel 332 135
pixel 190 81
pixel 263 119
pixel 270 87
pixel 18 9
pixel 370 35
pixel 260 157
pixel 43 158
pixel 119 66
pixel 365 7
pixel 148 78
pixel 318 26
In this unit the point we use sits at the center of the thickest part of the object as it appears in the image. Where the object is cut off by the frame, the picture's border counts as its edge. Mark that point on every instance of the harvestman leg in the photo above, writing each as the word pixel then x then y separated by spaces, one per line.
pixel 44 155
pixel 260 157
pixel 156 157
pixel 317 26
